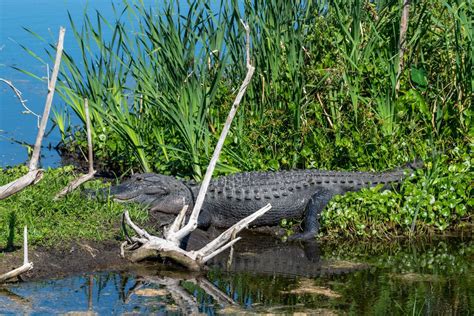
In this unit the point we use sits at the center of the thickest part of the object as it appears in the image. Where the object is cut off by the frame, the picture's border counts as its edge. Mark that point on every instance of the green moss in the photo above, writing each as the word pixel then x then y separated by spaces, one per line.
pixel 50 222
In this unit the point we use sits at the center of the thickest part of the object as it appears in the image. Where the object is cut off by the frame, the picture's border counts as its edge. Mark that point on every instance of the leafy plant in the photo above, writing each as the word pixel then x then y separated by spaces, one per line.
pixel 435 199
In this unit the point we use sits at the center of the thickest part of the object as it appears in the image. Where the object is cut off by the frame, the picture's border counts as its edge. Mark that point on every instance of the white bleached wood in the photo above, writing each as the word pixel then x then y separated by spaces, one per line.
pixel 74 184
pixel 27 266
pixel 176 225
pixel 168 247
pixel 192 223
pixel 34 175
pixel 201 256
pixel 205 259
pixel 227 235
pixel 84 178
pixel 49 100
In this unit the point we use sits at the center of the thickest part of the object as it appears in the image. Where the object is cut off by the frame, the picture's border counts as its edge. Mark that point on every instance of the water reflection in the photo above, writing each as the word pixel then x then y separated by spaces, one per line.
pixel 433 278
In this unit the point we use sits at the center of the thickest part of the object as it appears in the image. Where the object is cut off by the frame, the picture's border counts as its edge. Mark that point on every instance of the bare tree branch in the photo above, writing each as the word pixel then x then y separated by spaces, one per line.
pixel 84 178
pixel 49 100
pixel 151 246
pixel 34 175
pixel 22 101
pixel 402 43
pixel 177 236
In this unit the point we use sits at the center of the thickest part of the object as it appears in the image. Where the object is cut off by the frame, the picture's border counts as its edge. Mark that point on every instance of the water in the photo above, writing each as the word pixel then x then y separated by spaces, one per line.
pixel 434 278
pixel 43 17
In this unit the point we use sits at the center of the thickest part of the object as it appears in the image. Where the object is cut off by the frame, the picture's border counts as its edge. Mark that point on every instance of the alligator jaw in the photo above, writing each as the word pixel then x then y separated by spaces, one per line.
pixel 159 192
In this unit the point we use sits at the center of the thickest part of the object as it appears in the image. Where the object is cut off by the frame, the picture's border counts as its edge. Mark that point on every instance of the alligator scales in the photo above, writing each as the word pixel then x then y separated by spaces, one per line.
pixel 297 194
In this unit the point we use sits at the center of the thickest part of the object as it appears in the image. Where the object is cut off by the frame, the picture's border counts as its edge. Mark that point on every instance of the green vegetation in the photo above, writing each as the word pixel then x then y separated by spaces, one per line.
pixel 160 82
pixel 324 95
pixel 433 199
pixel 57 222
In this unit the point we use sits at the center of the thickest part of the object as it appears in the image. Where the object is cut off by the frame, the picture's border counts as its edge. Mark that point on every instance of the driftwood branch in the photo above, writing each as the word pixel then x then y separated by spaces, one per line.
pixel 152 246
pixel 84 178
pixel 34 175
pixel 146 245
pixel 177 236
pixel 49 100
pixel 402 41
pixel 27 266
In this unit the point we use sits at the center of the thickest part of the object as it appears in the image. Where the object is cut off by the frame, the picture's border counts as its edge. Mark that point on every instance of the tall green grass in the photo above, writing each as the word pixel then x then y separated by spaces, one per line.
pixel 161 80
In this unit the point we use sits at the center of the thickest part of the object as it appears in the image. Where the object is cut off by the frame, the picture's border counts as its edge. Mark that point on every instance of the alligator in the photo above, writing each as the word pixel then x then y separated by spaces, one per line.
pixel 295 194
pixel 265 255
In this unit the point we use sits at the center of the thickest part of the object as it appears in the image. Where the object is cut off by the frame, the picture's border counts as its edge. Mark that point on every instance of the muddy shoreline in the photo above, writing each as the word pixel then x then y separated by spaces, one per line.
pixel 87 256
pixel 76 258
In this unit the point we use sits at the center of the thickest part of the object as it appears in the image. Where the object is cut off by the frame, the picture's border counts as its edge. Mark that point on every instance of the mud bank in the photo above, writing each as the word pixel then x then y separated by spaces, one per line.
pixel 75 258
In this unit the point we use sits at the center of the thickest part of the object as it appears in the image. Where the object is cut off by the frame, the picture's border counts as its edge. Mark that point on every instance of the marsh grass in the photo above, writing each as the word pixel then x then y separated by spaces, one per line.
pixel 160 82
pixel 57 222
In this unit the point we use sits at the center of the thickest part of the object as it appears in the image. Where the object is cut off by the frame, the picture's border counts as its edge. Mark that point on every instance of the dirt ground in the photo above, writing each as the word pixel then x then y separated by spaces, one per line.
pixel 91 256
pixel 78 257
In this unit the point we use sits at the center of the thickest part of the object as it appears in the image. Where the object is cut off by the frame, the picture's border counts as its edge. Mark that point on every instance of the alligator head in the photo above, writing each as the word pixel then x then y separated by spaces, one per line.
pixel 161 193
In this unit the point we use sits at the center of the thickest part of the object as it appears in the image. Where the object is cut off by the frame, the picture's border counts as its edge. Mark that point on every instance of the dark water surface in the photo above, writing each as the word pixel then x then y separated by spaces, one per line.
pixel 433 278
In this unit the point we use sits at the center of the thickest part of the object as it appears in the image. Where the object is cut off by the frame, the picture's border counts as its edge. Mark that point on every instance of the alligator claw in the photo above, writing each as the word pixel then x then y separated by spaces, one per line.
pixel 302 236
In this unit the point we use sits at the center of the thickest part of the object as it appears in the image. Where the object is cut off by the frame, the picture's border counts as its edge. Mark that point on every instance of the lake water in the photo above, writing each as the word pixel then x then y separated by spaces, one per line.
pixel 435 278
pixel 43 17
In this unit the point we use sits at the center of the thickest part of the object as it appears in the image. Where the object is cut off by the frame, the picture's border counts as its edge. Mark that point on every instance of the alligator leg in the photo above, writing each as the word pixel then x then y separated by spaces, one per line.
pixel 204 220
pixel 313 210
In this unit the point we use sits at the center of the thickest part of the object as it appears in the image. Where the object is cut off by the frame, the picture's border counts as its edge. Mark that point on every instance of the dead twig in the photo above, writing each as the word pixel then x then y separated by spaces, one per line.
pixel 84 178
pixel 328 117
pixel 27 266
pixel 402 40
pixel 34 175
pixel 22 101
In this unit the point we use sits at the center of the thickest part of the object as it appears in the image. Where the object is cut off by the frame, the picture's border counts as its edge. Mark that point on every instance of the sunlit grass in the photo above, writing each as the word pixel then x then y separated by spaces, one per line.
pixel 56 222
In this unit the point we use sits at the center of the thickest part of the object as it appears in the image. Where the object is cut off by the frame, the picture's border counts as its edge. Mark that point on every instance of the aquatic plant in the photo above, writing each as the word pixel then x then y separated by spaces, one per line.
pixel 437 198
pixel 160 82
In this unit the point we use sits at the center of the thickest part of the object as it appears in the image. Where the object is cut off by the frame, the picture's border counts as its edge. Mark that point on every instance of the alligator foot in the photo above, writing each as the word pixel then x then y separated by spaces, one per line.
pixel 302 236
pixel 313 210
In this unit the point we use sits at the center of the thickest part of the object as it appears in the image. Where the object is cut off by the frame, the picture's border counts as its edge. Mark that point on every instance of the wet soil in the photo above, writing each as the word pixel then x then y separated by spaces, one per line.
pixel 75 258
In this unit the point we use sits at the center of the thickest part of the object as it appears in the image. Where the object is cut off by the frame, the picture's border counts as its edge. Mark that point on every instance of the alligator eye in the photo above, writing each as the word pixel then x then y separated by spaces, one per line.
pixel 137 178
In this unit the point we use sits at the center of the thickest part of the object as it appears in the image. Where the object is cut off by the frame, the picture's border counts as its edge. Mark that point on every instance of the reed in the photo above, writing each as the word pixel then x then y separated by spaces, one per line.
pixel 160 82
